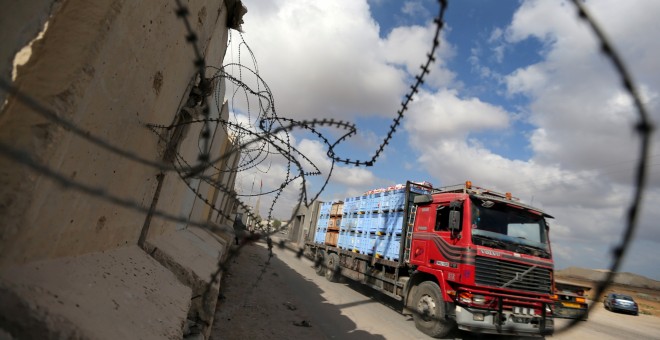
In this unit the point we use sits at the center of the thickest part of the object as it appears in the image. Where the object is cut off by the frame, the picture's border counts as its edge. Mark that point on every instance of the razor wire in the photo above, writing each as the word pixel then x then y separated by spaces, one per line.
pixel 270 138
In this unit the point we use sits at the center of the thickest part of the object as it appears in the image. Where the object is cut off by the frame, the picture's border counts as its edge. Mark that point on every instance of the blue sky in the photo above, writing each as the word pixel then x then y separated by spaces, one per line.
pixel 519 100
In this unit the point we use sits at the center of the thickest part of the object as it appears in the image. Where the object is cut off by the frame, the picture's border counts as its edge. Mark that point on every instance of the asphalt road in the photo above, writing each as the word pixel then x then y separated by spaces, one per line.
pixel 349 311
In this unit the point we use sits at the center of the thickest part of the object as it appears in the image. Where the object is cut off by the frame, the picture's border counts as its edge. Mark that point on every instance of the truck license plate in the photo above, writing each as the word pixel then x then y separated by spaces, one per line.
pixel 570 305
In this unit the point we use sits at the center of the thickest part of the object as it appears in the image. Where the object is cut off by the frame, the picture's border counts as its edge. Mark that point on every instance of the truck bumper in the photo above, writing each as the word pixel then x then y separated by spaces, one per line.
pixel 571 313
pixel 485 321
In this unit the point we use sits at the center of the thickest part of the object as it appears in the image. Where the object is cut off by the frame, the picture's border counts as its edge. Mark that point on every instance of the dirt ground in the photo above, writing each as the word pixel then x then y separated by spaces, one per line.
pixel 263 307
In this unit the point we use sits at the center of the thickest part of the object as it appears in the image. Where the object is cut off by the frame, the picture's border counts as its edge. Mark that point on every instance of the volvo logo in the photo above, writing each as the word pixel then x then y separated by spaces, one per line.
pixel 490 252
pixel 519 276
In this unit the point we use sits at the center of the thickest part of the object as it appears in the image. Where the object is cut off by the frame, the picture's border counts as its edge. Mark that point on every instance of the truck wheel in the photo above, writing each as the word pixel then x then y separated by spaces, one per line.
pixel 332 270
pixel 429 311
pixel 319 263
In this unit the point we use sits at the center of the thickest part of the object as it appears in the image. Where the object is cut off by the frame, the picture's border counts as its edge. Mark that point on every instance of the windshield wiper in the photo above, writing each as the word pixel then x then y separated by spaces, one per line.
pixel 531 250
pixel 491 241
pixel 513 246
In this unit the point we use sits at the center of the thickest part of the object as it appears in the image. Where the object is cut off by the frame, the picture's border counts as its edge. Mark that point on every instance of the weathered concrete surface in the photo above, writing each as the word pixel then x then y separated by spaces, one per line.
pixel 110 67
pixel 193 255
pixel 69 267
pixel 118 294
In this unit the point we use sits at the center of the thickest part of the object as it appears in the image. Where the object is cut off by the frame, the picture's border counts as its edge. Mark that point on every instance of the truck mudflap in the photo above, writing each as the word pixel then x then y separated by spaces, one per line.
pixel 503 322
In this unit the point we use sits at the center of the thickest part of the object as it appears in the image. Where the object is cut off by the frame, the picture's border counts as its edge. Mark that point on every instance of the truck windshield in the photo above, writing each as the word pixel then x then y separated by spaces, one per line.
pixel 501 225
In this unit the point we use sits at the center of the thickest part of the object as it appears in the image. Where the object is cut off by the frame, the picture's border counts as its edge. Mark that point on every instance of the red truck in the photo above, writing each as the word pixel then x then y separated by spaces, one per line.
pixel 459 256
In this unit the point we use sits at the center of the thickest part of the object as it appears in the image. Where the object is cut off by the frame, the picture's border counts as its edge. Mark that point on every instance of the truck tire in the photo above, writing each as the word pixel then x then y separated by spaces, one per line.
pixel 332 270
pixel 429 311
pixel 319 263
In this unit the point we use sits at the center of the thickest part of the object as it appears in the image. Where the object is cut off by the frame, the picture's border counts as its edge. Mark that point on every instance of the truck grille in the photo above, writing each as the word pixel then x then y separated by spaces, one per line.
pixel 497 273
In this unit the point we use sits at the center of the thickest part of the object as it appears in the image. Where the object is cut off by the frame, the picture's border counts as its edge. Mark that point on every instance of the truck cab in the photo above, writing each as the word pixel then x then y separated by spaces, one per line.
pixel 490 256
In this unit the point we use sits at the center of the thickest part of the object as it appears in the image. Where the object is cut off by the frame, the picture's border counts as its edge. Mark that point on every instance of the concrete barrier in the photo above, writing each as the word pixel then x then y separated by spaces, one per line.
pixel 119 294
pixel 70 264
pixel 194 256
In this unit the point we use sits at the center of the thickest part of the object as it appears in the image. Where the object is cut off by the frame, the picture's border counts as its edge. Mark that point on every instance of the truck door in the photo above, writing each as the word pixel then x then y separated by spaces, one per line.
pixel 422 233
pixel 447 252
pixel 442 221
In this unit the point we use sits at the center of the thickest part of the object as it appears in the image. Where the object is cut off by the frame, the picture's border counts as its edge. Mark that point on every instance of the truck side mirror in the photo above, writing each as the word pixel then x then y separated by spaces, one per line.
pixel 454 220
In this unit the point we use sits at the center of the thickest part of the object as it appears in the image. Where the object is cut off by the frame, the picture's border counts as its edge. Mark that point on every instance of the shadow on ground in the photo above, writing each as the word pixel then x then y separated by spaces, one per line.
pixel 259 301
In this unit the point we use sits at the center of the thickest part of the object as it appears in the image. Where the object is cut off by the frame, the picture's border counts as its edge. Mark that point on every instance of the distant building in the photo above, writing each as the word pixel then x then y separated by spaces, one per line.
pixel 303 225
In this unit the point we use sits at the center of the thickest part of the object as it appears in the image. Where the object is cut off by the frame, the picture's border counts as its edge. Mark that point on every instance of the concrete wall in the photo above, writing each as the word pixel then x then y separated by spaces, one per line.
pixel 110 67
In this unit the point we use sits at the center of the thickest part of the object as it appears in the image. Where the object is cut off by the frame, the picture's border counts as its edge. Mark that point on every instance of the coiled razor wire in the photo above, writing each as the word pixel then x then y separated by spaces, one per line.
pixel 255 145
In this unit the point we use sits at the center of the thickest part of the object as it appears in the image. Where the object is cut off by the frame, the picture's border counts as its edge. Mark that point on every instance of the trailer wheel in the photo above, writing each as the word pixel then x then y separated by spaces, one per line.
pixel 332 270
pixel 429 311
pixel 319 263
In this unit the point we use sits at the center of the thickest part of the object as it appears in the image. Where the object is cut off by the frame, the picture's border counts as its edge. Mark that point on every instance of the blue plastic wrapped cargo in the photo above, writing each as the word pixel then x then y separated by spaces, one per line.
pixel 343 241
pixel 363 203
pixel 373 222
pixel 393 250
pixel 379 223
pixel 396 222
pixel 346 222
pixel 347 205
pixel 369 245
pixel 350 240
pixel 356 242
pixel 350 205
pixel 397 199
pixel 349 222
pixel 368 222
pixel 362 223
pixel 323 221
pixel 385 201
pixel 325 208
pixel 320 235
pixel 383 245
pixel 374 201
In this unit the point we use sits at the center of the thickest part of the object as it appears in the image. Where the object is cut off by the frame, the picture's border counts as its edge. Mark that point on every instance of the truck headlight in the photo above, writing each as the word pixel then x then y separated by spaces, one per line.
pixel 478 299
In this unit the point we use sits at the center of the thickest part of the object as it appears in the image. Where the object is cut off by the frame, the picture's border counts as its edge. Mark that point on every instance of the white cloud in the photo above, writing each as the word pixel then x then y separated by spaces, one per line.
pixel 495 35
pixel 478 67
pixel 409 45
pixel 531 79
pixel 321 59
pixel 414 8
pixel 326 59
pixel 443 115
pixel 342 175
pixel 547 21
pixel 584 118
